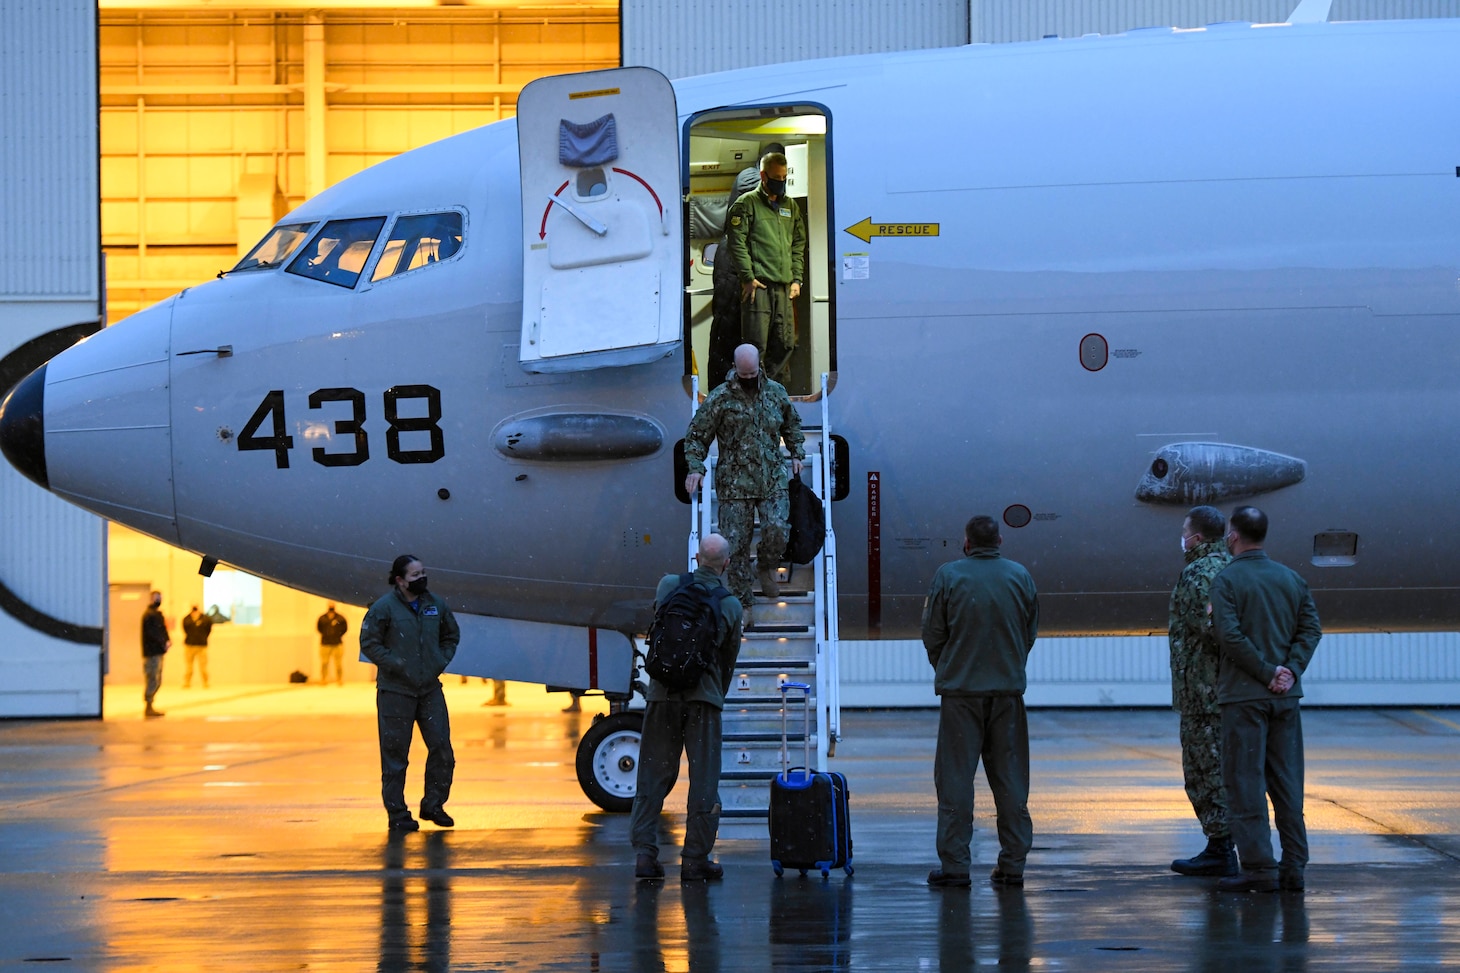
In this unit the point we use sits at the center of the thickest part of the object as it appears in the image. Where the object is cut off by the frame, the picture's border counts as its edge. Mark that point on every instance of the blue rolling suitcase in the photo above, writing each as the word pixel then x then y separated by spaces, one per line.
pixel 809 823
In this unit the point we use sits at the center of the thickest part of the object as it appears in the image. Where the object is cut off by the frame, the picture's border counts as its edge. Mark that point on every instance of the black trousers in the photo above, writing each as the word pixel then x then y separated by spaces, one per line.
pixel 396 714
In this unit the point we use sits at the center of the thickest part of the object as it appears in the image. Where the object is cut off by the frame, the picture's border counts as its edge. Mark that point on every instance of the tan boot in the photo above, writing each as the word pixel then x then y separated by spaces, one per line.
pixel 768 584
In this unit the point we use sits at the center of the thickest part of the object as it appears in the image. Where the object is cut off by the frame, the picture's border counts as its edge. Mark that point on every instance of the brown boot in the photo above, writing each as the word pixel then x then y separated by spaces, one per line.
pixel 152 713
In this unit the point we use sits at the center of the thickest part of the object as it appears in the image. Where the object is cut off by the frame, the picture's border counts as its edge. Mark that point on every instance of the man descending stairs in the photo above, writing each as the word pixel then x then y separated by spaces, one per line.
pixel 790 637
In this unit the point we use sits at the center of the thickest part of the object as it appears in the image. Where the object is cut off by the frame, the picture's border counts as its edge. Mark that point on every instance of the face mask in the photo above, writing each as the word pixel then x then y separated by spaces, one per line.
pixel 749 384
pixel 775 187
pixel 418 586
pixel 1183 543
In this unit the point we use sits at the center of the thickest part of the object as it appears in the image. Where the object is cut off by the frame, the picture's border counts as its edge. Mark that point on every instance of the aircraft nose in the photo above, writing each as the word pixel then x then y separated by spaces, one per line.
pixel 23 427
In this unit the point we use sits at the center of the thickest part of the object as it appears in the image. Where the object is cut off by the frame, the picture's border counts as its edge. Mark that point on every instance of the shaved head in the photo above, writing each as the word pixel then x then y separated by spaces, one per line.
pixel 714 553
pixel 747 361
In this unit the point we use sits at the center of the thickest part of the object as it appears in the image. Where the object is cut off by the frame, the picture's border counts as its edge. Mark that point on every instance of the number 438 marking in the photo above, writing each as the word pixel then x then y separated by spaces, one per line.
pixel 271 410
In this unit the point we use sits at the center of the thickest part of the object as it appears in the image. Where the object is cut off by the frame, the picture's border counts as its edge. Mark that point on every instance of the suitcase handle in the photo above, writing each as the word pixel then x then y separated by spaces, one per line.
pixel 805 689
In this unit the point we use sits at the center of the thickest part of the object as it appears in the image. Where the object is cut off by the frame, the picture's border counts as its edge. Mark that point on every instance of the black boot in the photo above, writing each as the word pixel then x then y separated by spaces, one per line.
pixel 1219 858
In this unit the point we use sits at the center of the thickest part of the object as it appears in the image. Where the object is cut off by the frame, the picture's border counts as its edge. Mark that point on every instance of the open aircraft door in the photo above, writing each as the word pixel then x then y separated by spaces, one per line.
pixel 601 253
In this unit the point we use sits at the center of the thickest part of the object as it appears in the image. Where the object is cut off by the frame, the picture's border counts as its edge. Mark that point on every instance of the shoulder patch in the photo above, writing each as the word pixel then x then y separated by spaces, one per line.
pixel 734 221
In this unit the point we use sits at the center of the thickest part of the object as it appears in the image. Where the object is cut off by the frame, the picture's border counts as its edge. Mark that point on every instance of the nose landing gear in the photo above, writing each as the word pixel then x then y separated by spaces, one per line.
pixel 608 760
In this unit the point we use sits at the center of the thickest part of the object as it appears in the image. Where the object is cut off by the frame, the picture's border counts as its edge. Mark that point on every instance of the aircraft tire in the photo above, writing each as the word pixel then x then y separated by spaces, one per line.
pixel 608 761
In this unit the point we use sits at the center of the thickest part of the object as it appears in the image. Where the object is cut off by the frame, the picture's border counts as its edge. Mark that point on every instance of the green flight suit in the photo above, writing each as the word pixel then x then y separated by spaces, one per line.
pixel 979 623
pixel 1194 658
pixel 685 721
pixel 767 242
pixel 751 477
pixel 1264 617
pixel 411 647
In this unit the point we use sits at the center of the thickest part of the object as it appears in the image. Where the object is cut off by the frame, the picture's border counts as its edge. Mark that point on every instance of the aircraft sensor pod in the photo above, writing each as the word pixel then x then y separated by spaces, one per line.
pixel 1197 473
pixel 578 437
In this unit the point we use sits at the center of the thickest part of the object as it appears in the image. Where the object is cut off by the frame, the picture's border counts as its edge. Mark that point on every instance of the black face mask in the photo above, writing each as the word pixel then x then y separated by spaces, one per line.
pixel 775 187
pixel 749 384
pixel 418 586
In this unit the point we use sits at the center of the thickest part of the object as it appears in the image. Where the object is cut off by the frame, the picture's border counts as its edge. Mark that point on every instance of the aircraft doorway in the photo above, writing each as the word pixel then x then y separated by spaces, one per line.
pixel 723 144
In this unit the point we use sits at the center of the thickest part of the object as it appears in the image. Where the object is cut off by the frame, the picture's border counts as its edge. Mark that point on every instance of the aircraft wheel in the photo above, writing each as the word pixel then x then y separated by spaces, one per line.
pixel 608 761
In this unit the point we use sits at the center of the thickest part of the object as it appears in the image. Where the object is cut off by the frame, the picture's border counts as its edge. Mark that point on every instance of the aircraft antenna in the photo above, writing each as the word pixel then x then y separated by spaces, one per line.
pixel 1311 12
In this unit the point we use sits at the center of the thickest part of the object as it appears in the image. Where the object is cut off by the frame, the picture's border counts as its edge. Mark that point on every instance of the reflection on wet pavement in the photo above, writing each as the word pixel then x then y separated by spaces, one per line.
pixel 256 842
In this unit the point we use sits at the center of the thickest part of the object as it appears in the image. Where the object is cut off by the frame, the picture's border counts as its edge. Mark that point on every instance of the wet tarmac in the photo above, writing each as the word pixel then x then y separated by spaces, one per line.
pixel 231 835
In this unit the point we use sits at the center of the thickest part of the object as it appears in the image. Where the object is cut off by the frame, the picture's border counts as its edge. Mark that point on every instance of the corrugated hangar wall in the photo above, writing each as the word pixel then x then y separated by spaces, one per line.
pixel 683 40
pixel 52 555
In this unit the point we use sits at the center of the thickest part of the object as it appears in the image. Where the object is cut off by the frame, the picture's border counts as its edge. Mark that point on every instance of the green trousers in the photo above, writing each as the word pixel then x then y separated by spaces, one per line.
pixel 1262 758
pixel 995 728
pixel 672 728
pixel 396 716
pixel 767 321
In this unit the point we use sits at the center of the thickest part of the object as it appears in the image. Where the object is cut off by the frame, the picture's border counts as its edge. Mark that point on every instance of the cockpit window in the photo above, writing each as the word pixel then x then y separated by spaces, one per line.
pixel 338 253
pixel 275 248
pixel 416 241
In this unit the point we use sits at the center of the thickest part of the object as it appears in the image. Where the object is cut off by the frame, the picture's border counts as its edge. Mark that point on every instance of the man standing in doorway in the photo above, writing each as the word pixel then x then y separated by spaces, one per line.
pixel 332 628
pixel 155 644
pixel 411 636
pixel 725 304
pixel 1267 627
pixel 751 416
pixel 1194 658
pixel 196 628
pixel 767 237
pixel 979 623
pixel 687 721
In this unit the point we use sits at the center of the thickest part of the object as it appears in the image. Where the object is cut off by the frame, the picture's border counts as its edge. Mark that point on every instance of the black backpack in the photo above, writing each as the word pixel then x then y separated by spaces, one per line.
pixel 808 523
pixel 685 633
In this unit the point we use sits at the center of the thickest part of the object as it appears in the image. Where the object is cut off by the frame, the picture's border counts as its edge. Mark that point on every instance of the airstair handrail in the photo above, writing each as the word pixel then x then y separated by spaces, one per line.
pixel 694 498
pixel 827 624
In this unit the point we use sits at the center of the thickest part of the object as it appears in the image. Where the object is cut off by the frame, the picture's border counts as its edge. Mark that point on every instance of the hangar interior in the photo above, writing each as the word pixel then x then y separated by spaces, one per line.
pixel 213 124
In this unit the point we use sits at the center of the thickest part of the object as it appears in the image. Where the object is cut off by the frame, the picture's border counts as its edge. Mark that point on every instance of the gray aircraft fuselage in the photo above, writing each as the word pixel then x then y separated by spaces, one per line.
pixel 1245 237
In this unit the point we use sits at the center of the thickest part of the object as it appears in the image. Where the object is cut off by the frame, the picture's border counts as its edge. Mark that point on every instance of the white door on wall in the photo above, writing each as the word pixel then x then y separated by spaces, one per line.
pixel 601 236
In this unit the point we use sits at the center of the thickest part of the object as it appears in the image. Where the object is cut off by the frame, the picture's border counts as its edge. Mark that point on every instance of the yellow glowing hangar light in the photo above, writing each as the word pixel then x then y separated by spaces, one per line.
pixel 246 6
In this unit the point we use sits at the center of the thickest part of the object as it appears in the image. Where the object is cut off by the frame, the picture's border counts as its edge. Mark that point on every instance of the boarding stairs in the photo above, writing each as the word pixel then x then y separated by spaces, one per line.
pixel 794 638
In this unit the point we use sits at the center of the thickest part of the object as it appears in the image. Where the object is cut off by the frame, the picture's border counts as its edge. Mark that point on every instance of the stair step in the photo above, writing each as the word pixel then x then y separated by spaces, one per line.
pixel 775 651
pixel 745 798
pixel 757 760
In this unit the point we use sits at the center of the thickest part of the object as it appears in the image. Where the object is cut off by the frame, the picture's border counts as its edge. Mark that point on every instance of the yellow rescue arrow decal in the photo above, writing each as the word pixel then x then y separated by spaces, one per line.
pixel 866 230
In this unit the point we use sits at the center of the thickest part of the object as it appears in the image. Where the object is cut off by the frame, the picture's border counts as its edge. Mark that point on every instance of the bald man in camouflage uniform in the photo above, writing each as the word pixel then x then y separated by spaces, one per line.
pixel 751 416
pixel 1194 658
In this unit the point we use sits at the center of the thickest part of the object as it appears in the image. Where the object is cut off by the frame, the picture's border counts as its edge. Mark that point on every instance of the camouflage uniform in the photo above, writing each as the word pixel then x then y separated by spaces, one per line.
pixel 1194 657
pixel 751 477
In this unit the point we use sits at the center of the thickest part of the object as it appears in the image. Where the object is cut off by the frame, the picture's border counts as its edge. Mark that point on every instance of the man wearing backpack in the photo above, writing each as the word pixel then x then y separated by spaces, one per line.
pixel 687 720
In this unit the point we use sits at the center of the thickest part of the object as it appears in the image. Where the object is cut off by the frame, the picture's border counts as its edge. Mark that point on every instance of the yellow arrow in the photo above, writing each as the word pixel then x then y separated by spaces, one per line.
pixel 866 230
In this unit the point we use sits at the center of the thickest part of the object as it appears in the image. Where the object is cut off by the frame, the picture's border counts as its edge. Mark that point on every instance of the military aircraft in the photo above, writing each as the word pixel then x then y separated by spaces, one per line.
pixel 1078 284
